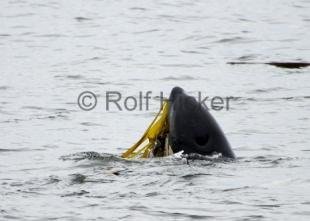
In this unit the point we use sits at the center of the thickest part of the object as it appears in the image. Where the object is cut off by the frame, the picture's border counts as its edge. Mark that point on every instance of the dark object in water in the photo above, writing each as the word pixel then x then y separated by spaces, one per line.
pixel 193 129
pixel 277 64
pixel 182 124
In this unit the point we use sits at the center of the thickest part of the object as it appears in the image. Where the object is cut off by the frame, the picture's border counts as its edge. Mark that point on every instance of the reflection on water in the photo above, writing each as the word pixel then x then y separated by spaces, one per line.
pixel 58 162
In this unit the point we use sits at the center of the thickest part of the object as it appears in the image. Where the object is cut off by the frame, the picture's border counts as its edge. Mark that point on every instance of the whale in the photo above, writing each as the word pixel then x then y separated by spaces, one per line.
pixel 192 128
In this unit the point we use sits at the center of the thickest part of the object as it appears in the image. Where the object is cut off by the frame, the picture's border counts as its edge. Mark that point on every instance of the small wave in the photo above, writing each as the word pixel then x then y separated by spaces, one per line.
pixel 247 57
pixel 77 178
pixel 13 150
pixel 236 189
pixel 75 77
pixel 81 19
pixel 194 175
pixel 230 40
pixel 271 158
pixel 267 90
pixel 79 193
pixel 146 31
pixel 268 205
pixel 270 161
pixel 138 9
pixel 52 179
pixel 32 107
pixel 182 65
pixel 91 155
pixel 179 78
pixel 94 58
pixel 258 99
pixel 51 36
pixel 90 124
pixel 4 87
pixel 20 15
pixel 151 194
pixel 191 52
pixel 213 158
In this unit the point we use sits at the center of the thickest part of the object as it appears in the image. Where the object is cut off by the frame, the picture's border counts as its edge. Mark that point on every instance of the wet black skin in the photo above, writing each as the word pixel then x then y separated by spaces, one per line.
pixel 193 129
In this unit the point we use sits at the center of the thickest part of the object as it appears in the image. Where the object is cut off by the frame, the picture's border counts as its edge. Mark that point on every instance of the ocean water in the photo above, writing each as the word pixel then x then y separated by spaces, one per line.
pixel 58 162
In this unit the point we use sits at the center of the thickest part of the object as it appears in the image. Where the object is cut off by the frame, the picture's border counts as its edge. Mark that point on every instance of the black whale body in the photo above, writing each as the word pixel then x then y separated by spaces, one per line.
pixel 193 129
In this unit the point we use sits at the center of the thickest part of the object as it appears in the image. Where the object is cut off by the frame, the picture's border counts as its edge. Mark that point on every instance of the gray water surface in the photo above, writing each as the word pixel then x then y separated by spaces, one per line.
pixel 60 162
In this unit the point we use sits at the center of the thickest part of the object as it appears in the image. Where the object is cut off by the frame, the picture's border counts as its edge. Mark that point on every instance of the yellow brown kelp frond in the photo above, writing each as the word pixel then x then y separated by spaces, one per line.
pixel 150 140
